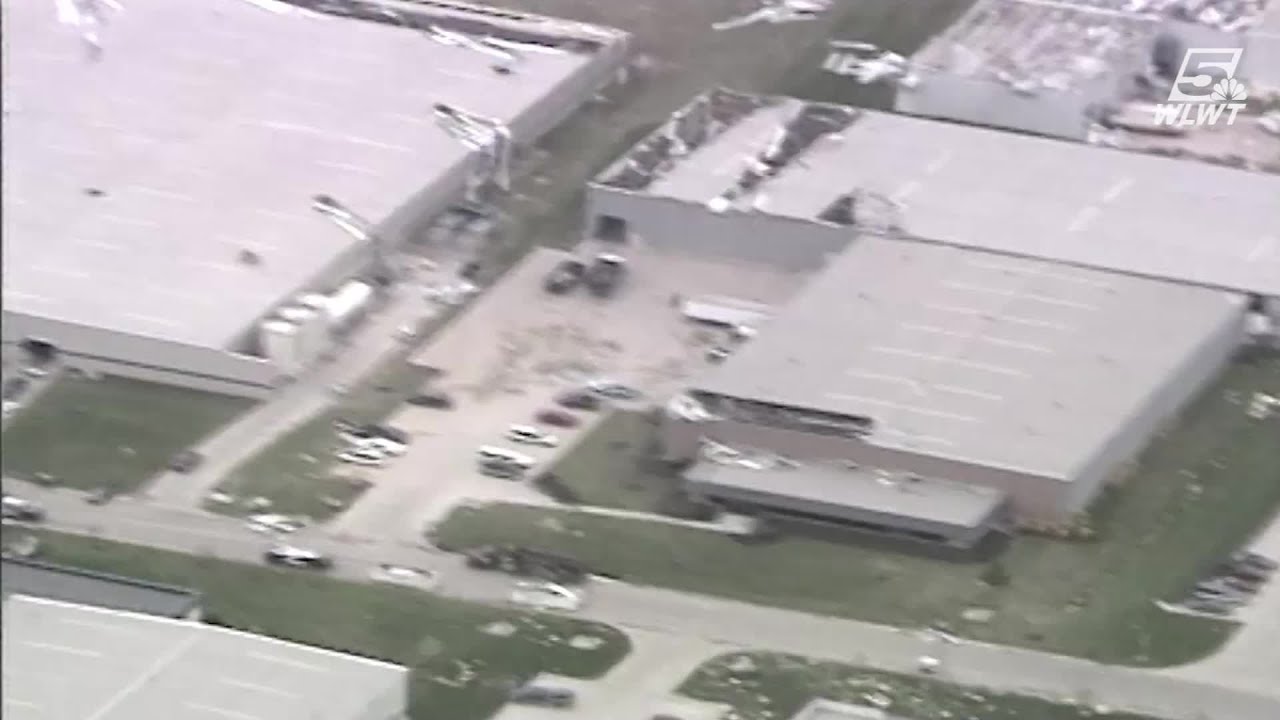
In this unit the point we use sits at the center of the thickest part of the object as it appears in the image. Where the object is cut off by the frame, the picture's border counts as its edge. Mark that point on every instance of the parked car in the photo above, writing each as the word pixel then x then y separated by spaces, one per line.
pixel 435 400
pixel 381 446
pixel 185 461
pixel 15 508
pixel 355 433
pixel 502 469
pixel 489 453
pixel 718 354
pixel 579 400
pixel 543 695
pixel 101 496
pixel 529 435
pixel 545 596
pixel 363 457
pixel 290 556
pixel 272 523
pixel 605 274
pixel 556 418
pixel 527 562
pixel 613 390
pixel 565 276
pixel 1255 561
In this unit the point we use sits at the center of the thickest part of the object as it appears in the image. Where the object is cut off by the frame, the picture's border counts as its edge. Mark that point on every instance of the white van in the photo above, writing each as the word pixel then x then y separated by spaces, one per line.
pixel 496 453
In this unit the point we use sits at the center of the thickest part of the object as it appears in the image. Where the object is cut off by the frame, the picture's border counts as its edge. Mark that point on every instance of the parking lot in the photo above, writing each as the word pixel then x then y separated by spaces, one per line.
pixel 514 349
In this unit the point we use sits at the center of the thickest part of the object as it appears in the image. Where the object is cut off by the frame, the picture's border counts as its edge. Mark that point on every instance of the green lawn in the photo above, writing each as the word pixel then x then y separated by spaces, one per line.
pixel 439 639
pixel 112 433
pixel 614 466
pixel 297 473
pixel 765 686
pixel 1202 488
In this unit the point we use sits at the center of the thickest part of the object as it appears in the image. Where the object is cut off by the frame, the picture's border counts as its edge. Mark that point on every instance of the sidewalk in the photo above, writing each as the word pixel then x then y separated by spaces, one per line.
pixel 293 405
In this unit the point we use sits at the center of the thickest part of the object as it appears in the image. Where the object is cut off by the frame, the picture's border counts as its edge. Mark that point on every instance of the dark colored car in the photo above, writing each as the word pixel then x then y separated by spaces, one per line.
pixel 579 400
pixel 435 400
pixel 185 461
pixel 557 418
pixel 565 276
pixel 543 695
pixel 521 561
pixel 605 274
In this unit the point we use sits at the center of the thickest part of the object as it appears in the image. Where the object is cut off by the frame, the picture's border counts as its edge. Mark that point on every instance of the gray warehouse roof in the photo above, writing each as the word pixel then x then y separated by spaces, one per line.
pixel 1035 197
pixel 70 584
pixel 1013 363
pixel 72 662
pixel 208 125
pixel 937 501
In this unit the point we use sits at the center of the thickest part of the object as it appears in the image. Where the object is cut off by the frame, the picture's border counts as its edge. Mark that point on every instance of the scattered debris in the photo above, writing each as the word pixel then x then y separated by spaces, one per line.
pixel 500 629
pixel 586 642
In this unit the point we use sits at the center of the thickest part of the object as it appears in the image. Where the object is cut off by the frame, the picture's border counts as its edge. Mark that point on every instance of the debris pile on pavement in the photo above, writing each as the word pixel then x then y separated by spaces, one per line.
pixel 499 629
pixel 1262 406
pixel 586 642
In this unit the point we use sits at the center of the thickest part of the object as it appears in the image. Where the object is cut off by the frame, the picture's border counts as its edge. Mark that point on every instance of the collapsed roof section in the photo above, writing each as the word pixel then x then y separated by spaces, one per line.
pixel 696 124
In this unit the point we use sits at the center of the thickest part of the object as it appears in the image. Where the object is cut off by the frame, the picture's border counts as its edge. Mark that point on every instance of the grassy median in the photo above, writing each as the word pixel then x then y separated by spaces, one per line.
pixel 442 641
pixel 760 686
pixel 112 433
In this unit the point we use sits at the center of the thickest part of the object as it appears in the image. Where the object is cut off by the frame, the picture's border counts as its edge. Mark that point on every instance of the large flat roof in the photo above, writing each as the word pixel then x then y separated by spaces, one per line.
pixel 71 584
pixel 208 125
pixel 974 187
pixel 938 501
pixel 1020 364
pixel 73 661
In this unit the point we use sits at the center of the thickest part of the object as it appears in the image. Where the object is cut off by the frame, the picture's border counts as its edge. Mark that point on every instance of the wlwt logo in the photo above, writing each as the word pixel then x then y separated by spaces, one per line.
pixel 1205 90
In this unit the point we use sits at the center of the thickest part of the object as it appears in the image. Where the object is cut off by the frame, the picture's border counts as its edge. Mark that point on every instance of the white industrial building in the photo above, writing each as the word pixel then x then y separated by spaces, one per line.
pixel 157 203
pixel 1033 378
pixel 791 183
pixel 71 662
pixel 1054 68
pixel 993 308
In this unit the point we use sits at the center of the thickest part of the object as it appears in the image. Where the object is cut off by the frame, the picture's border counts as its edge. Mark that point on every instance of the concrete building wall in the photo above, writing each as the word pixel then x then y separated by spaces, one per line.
pixel 690 229
pixel 1031 496
pixel 993 104
pixel 144 358
pixel 950 534
pixel 1191 376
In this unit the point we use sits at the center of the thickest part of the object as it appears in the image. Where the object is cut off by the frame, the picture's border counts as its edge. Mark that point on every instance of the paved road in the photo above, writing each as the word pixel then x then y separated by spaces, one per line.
pixel 722 623
pixel 293 405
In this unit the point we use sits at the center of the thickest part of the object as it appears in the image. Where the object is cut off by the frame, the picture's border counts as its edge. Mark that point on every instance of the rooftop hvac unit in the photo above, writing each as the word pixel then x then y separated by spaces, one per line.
pixel 280 345
pixel 313 332
pixel 346 305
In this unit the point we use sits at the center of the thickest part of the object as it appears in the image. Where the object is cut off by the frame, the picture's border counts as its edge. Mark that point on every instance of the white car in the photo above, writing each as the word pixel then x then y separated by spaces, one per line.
pixel 273 523
pixel 377 445
pixel 398 575
pixel 11 406
pixel 365 458
pixel 545 596
pixel 496 454
pixel 531 436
